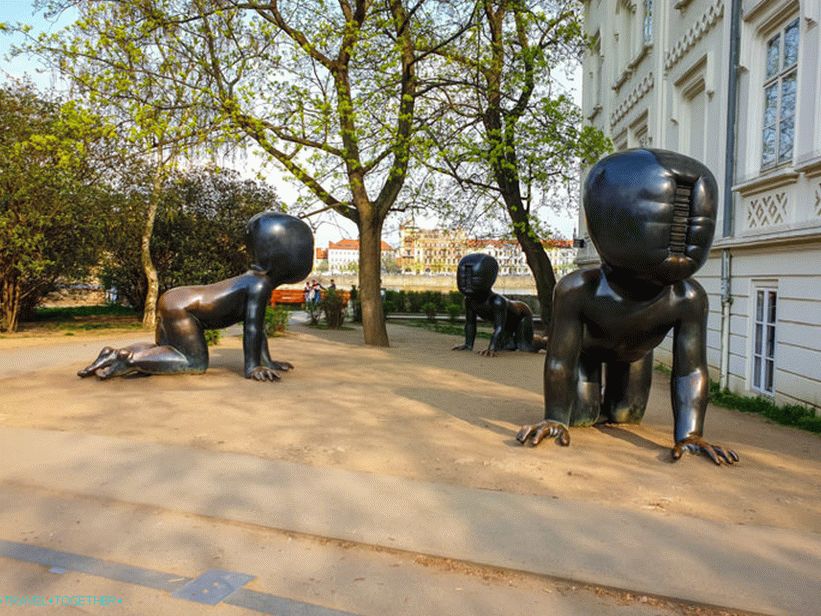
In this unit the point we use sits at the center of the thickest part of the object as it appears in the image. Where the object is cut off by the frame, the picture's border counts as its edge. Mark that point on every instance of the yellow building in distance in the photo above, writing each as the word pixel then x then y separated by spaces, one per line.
pixel 438 251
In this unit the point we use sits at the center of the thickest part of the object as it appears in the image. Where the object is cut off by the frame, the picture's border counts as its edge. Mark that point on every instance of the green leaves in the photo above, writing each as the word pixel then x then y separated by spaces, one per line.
pixel 51 210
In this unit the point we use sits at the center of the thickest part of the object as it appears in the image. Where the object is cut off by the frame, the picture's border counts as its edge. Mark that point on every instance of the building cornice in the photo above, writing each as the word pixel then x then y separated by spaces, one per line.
pixel 811 167
pixel 700 27
pixel 639 92
pixel 774 179
pixel 785 234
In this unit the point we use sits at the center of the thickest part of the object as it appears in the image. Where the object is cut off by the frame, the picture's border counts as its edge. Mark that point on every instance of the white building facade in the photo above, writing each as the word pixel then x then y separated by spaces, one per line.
pixel 737 85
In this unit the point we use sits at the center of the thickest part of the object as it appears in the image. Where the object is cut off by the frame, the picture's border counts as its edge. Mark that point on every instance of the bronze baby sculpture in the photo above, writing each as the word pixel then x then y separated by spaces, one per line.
pixel 281 247
pixel 651 215
pixel 512 320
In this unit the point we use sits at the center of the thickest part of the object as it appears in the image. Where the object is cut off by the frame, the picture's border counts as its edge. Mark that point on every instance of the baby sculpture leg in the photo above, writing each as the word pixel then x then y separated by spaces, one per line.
pixel 587 410
pixel 627 390
pixel 180 348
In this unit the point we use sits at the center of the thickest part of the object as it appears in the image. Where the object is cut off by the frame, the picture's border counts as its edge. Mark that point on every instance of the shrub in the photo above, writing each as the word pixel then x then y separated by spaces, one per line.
pixel 276 320
pixel 313 310
pixel 388 307
pixel 453 311
pixel 334 308
pixel 429 308
pixel 212 336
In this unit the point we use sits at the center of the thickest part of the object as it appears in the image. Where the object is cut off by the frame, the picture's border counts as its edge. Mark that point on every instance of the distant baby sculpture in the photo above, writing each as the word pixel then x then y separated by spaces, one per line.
pixel 281 247
pixel 512 320
pixel 651 215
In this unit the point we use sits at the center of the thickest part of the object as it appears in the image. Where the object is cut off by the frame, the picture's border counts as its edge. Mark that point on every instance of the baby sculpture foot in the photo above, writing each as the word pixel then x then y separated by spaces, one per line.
pixel 107 356
pixel 695 444
pixel 119 366
pixel 263 373
pixel 538 432
pixel 284 366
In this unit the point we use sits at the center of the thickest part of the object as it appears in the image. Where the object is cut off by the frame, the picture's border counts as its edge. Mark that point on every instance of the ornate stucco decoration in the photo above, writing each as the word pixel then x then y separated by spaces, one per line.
pixel 639 92
pixel 700 27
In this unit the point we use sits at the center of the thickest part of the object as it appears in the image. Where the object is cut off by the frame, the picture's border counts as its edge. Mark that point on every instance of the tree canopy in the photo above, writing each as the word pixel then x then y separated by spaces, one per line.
pixel 199 231
pixel 51 210
pixel 509 135
pixel 347 96
pixel 328 90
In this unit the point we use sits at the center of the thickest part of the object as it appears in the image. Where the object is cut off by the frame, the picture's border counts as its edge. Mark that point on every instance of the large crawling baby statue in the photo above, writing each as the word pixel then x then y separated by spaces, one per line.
pixel 651 215
pixel 281 247
pixel 512 320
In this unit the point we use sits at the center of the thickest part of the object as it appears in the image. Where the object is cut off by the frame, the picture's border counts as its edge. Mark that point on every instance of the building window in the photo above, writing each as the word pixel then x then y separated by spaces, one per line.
pixel 647 30
pixel 764 340
pixel 779 96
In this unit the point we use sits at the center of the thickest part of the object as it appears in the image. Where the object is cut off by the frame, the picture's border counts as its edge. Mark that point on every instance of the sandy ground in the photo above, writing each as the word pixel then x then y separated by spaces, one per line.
pixel 421 411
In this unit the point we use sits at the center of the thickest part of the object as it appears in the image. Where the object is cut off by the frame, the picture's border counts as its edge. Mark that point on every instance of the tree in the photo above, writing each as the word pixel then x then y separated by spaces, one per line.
pixel 51 211
pixel 118 61
pixel 199 232
pixel 328 90
pixel 510 136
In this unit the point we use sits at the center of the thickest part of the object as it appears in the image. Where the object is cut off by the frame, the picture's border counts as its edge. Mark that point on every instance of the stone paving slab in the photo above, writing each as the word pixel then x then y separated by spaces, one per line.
pixel 753 568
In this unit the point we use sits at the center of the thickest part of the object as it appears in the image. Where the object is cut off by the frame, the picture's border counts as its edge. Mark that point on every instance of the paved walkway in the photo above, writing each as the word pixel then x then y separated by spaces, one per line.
pixel 759 569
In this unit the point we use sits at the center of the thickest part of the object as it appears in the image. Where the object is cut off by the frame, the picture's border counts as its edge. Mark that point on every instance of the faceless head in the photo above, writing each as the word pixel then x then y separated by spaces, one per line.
pixel 476 274
pixel 280 245
pixel 651 213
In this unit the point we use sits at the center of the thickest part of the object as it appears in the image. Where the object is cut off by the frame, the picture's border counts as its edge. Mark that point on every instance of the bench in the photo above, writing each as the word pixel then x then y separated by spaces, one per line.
pixel 297 296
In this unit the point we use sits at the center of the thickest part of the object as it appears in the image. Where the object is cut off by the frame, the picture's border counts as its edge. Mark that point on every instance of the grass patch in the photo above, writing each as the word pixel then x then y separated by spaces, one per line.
pixel 442 328
pixel 79 312
pixel 82 318
pixel 788 414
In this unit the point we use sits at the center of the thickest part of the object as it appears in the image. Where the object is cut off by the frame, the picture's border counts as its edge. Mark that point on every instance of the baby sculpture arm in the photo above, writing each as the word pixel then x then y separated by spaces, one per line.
pixel 498 305
pixel 470 328
pixel 561 368
pixel 690 382
pixel 258 363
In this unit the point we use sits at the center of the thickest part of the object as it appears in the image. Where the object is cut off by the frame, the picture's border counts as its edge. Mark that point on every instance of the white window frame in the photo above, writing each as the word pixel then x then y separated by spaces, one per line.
pixel 763 337
pixel 776 80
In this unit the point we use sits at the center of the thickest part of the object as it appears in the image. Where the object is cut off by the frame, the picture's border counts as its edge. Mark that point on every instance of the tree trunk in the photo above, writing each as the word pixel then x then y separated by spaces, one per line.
pixel 152 280
pixel 542 270
pixel 10 305
pixel 537 258
pixel 370 282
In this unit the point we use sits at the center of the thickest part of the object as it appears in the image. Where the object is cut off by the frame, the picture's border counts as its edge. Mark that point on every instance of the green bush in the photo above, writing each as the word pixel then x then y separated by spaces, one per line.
pixel 212 336
pixel 429 308
pixel 453 311
pixel 276 319
pixel 414 301
pixel 314 311
pixel 387 307
pixel 334 308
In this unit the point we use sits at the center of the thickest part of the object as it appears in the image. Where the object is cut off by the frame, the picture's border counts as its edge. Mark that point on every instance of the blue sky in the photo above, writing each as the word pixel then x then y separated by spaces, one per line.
pixel 12 12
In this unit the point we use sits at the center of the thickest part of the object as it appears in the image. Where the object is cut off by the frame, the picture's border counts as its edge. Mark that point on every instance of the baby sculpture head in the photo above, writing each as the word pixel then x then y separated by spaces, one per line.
pixel 280 245
pixel 651 213
pixel 476 274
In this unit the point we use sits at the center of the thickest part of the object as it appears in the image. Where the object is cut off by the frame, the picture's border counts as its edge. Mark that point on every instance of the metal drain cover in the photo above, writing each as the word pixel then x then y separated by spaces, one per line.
pixel 212 586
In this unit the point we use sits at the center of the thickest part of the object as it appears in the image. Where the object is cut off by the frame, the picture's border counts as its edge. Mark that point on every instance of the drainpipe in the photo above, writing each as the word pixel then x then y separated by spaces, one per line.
pixel 729 174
